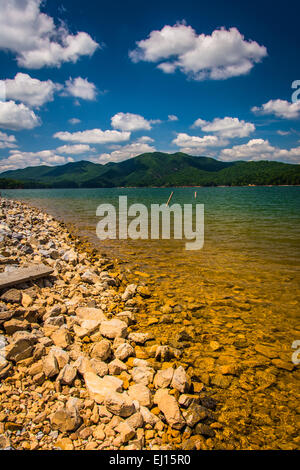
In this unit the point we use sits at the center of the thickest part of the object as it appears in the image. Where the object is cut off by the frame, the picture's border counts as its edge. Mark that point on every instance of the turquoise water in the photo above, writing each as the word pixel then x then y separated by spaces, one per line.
pixel 260 221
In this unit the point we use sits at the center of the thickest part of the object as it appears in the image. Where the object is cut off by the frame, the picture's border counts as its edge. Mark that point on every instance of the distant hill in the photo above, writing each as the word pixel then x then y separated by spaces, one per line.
pixel 154 169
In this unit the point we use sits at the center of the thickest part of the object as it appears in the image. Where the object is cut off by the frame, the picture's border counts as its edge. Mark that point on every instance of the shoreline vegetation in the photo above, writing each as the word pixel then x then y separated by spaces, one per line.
pixel 75 371
pixel 155 169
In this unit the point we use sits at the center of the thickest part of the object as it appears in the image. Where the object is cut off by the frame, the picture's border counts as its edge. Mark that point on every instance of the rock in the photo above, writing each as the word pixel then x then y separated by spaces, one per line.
pixel 21 346
pixel 120 404
pixel 165 353
pixel 99 434
pixel 180 380
pixel 67 375
pixel 163 378
pixel 67 418
pixel 61 338
pixel 142 375
pixel 169 407
pixel 27 301
pixel 4 442
pixel 194 414
pixel 136 420
pixel 65 443
pixel 12 296
pixel 283 364
pixel 148 417
pixel 130 291
pixel 101 350
pixel 100 388
pixel 126 431
pixel 144 291
pixel 61 356
pixel 204 430
pixel 141 393
pixel 5 367
pixel 113 329
pixel 215 345
pixel 70 257
pixel 221 381
pixel 124 351
pixel 99 367
pixel 267 351
pixel 86 328
pixel 127 316
pixel 139 338
pixel 50 365
pixel 55 321
pixel 14 325
pixel 90 277
pixel 116 367
pixel 87 313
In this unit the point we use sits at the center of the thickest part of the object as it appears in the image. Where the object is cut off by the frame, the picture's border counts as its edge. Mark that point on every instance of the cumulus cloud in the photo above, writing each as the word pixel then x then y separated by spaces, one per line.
pixel 76 149
pixel 125 152
pixel 28 90
pixel 93 136
pixel 17 116
pixel 227 127
pixel 36 40
pixel 7 141
pixel 81 88
pixel 74 121
pixel 172 117
pixel 18 159
pixel 221 55
pixel 194 145
pixel 260 149
pixel 132 122
pixel 280 108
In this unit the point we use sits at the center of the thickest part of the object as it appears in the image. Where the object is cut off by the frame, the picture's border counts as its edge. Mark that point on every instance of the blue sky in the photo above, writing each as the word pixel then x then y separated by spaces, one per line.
pixel 105 81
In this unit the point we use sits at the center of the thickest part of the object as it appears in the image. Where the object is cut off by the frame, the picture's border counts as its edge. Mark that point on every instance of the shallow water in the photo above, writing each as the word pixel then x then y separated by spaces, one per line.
pixel 241 290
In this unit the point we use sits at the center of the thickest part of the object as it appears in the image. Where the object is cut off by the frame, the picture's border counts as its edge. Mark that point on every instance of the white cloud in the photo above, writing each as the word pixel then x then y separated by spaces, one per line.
pixel 172 117
pixel 74 121
pixel 194 145
pixel 132 122
pixel 7 141
pixel 18 159
pixel 280 108
pixel 124 152
pixel 227 127
pixel 17 116
pixel 260 149
pixel 36 40
pixel 30 91
pixel 81 88
pixel 221 55
pixel 283 132
pixel 93 136
pixel 76 149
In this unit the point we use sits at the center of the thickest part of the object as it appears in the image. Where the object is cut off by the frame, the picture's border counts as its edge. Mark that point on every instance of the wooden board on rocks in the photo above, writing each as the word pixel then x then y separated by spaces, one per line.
pixel 21 275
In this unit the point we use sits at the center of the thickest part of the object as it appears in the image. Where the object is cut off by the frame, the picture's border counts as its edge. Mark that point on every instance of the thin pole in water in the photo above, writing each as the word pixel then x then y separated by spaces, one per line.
pixel 171 195
pixel 195 194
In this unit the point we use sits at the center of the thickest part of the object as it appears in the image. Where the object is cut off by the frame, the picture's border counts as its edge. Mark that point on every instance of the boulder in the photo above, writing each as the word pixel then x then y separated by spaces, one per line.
pixel 124 351
pixel 163 378
pixel 120 404
pixel 100 388
pixel 67 418
pixel 180 380
pixel 12 296
pixel 87 313
pixel 142 375
pixel 113 328
pixel 169 407
pixel 141 393
pixel 67 375
pixel 101 350
pixel 116 367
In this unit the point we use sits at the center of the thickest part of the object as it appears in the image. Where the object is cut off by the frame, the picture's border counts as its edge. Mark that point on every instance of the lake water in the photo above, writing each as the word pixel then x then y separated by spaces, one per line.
pixel 241 291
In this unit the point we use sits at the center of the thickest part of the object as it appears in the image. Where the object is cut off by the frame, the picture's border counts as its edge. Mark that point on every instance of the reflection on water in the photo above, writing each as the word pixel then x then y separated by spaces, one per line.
pixel 241 291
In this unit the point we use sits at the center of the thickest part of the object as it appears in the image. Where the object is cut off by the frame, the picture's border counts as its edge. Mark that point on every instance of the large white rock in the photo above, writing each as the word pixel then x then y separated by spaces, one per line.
pixel 142 375
pixel 124 351
pixel 180 380
pixel 113 329
pixel 100 389
pixel 87 313
pixel 163 378
pixel 120 404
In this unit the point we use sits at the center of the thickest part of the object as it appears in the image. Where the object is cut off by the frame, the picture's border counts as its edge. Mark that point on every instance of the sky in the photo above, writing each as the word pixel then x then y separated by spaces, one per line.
pixel 106 81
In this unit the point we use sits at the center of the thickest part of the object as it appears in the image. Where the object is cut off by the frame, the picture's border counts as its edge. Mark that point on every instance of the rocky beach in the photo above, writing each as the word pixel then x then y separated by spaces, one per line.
pixel 77 371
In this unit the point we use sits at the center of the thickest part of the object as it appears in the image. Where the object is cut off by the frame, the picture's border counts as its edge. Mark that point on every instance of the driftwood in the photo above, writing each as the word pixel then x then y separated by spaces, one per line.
pixel 21 275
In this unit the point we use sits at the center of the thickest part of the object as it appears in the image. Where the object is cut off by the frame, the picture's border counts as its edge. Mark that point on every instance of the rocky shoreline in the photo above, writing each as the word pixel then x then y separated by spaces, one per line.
pixel 76 371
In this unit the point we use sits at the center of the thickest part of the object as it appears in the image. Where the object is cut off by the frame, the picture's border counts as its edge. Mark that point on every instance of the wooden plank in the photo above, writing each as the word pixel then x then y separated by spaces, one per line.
pixel 24 274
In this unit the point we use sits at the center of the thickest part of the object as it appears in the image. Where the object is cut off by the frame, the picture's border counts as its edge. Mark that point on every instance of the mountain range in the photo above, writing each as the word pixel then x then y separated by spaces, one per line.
pixel 154 169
